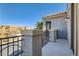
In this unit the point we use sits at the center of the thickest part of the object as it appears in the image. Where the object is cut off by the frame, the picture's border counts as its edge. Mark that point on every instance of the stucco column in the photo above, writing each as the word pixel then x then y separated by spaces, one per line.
pixel 75 27
pixel 77 17
pixel 31 43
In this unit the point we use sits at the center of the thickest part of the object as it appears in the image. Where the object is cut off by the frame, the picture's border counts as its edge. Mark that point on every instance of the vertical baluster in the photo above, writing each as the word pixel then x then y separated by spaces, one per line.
pixel 7 46
pixel 1 47
pixel 21 46
pixel 42 40
pixel 17 45
pixel 13 46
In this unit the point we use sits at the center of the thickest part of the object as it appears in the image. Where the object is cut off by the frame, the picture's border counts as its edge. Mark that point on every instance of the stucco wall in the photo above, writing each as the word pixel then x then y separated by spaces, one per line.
pixel 77 29
pixel 61 25
pixel 69 25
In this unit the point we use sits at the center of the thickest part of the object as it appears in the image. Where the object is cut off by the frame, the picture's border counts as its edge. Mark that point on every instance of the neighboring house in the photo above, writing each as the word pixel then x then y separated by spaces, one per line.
pixel 56 22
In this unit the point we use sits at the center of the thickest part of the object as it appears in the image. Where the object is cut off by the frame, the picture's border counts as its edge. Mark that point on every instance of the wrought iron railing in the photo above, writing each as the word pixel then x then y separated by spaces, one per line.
pixel 45 39
pixel 11 46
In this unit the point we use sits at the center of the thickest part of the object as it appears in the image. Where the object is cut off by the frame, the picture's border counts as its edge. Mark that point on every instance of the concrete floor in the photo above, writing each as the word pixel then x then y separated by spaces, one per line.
pixel 58 48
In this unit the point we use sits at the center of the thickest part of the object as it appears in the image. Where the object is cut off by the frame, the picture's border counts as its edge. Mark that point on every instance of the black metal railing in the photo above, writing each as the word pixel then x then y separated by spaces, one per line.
pixel 11 46
pixel 45 39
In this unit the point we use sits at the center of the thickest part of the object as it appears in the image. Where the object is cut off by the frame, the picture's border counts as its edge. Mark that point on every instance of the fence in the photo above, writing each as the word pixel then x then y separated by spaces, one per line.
pixel 11 46
pixel 45 39
pixel 30 43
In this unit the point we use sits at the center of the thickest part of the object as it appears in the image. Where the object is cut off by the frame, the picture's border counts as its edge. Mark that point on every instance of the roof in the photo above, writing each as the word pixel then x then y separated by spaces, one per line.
pixel 58 15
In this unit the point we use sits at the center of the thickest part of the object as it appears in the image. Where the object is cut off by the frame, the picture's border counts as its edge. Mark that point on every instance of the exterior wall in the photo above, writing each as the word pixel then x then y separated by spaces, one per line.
pixel 51 35
pixel 44 24
pixel 74 28
pixel 74 16
pixel 69 25
pixel 69 32
pixel 31 43
pixel 77 11
pixel 60 25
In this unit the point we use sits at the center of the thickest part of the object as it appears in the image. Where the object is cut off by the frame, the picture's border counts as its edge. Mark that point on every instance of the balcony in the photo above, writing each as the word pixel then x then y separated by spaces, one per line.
pixel 33 43
pixel 58 48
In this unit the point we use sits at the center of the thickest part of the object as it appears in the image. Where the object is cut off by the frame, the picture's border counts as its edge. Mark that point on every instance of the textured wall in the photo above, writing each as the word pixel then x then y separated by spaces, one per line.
pixel 61 25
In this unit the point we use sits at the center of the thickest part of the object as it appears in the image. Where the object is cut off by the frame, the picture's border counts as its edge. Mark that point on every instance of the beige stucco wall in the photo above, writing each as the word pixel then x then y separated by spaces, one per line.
pixel 73 31
pixel 31 43
pixel 75 24
pixel 77 11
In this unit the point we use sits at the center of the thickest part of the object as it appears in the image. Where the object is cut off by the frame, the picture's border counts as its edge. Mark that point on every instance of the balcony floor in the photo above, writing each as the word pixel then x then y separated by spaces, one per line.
pixel 58 48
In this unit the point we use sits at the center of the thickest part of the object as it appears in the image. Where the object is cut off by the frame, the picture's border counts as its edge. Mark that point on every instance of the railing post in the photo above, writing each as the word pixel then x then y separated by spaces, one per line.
pixel 32 43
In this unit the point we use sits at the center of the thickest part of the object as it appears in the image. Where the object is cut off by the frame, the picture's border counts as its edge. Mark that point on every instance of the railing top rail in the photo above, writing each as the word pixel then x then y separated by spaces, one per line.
pixel 39 34
pixel 20 36
pixel 10 42
pixel 12 36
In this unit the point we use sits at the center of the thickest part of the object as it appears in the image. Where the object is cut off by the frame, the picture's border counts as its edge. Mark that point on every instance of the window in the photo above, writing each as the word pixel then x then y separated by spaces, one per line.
pixel 48 25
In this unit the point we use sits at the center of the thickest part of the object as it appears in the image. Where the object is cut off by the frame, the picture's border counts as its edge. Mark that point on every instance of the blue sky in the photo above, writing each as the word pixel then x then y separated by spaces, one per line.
pixel 28 14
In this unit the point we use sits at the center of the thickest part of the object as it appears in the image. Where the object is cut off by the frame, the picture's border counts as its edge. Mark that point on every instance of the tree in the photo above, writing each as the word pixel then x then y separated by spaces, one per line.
pixel 39 25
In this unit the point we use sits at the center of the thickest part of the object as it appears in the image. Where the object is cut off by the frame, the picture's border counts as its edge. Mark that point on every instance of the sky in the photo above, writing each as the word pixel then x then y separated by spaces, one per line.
pixel 27 14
